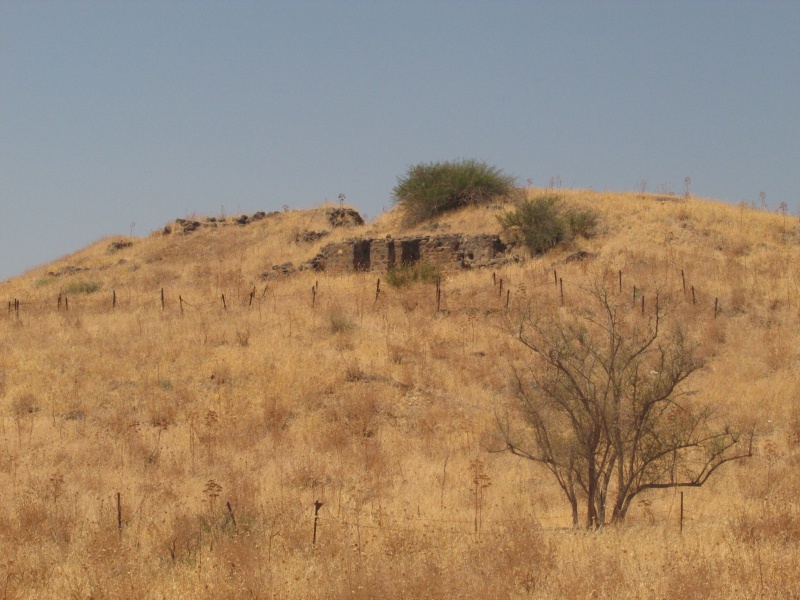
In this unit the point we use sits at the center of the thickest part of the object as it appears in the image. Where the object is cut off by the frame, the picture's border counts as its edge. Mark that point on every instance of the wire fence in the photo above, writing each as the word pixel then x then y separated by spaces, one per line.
pixel 676 510
pixel 496 295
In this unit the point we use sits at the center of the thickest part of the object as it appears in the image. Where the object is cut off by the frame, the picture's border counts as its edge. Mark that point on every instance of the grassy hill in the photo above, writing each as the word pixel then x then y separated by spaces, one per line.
pixel 177 449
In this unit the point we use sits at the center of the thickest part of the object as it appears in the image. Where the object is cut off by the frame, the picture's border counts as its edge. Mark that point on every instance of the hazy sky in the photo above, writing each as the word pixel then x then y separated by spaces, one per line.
pixel 119 116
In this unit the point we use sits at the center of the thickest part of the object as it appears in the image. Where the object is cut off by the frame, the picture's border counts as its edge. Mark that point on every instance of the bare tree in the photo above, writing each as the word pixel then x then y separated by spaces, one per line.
pixel 603 407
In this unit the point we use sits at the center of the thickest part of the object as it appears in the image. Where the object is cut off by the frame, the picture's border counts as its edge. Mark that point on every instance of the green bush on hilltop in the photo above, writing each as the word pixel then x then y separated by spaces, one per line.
pixel 430 189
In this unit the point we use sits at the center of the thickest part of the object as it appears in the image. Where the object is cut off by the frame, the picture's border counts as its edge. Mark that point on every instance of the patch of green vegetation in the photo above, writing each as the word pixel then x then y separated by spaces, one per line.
pixel 82 287
pixel 421 272
pixel 430 189
pixel 544 222
pixel 43 282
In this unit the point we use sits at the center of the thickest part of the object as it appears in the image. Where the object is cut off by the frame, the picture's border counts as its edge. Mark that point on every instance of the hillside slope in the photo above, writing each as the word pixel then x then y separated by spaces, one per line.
pixel 215 425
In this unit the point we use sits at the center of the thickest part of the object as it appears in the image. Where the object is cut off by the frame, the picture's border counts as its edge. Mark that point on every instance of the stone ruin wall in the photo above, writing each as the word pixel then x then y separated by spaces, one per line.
pixel 447 252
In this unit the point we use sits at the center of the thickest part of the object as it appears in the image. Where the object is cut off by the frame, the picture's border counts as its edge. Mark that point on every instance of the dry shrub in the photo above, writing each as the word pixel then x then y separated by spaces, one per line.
pixel 243 336
pixel 344 343
pixel 594 573
pixel 221 375
pixel 361 413
pixel 340 321
pixel 778 351
pixel 354 372
pixel 683 216
pixel 162 412
pixel 775 517
pixel 180 538
pixel 691 576
pixel 398 352
pixel 714 334
pixel 525 554
pixel 739 299
pixel 441 349
pixel 793 432
pixel 773 522
pixel 24 406
pixel 277 417
pixel 737 248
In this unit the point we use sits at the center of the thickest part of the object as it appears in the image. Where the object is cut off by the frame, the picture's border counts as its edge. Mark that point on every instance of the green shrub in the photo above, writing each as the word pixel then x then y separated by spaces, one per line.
pixel 401 275
pixel 43 282
pixel 536 223
pixel 428 190
pixel 82 287
pixel 543 222
pixel 581 222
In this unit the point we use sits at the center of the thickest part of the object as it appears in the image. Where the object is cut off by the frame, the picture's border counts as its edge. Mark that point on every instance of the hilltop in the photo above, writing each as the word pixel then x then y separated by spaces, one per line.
pixel 217 424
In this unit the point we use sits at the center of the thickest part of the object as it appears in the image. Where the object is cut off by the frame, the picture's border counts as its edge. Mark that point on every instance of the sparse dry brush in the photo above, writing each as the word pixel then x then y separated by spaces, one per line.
pixel 219 427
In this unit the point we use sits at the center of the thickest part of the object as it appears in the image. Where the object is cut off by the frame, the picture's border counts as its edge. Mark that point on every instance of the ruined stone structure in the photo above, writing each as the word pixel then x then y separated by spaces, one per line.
pixel 447 252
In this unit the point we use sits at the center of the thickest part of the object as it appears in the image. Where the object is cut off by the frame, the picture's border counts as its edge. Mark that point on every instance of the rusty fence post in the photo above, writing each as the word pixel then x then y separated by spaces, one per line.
pixel 119 512
pixel 317 506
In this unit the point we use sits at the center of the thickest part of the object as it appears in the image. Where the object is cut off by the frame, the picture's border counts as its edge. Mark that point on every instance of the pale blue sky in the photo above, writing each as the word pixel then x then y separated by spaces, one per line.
pixel 113 113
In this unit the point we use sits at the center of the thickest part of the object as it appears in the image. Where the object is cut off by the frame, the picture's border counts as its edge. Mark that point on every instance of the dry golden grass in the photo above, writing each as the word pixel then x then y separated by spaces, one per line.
pixel 220 428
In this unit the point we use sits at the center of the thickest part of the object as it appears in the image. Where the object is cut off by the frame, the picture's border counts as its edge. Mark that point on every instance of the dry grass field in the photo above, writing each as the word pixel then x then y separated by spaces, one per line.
pixel 178 451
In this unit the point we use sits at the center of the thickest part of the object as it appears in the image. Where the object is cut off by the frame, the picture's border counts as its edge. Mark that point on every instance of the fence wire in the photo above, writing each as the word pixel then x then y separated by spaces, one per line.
pixel 496 296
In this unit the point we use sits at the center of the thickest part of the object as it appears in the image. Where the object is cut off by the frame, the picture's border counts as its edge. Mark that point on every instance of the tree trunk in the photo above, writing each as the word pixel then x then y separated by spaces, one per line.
pixel 600 511
pixel 575 517
pixel 624 504
pixel 591 508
